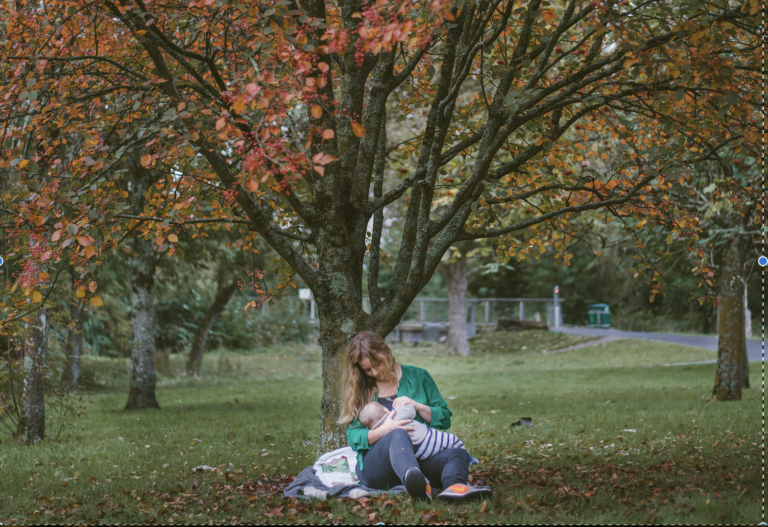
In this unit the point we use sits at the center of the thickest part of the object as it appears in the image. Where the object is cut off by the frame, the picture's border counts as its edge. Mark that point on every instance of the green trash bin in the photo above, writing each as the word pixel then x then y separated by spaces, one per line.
pixel 599 316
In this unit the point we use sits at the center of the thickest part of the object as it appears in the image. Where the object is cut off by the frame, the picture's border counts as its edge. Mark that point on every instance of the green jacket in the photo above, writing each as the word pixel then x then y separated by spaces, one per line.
pixel 417 384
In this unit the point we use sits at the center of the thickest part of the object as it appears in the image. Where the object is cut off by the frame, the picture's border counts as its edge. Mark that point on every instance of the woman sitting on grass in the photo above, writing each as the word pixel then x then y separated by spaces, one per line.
pixel 386 455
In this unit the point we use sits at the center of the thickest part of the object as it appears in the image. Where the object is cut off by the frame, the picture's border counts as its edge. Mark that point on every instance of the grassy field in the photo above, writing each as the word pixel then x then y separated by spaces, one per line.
pixel 617 437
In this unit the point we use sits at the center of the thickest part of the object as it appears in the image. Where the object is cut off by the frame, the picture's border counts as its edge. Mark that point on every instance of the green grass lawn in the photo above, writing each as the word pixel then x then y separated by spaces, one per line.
pixel 616 438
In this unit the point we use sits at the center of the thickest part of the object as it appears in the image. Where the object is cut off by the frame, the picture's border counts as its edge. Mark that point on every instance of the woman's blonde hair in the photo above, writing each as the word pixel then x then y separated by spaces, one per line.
pixel 357 388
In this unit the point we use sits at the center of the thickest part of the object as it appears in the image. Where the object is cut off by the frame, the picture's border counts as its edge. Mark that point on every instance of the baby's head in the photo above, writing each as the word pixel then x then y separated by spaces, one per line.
pixel 372 413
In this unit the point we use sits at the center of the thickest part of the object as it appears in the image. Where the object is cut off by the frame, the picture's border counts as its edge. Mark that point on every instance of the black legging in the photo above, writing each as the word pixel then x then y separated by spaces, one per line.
pixel 385 464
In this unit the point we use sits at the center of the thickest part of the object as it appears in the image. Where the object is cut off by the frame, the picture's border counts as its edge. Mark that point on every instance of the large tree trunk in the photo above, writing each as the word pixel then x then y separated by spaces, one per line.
pixel 224 292
pixel 74 344
pixel 339 298
pixel 142 265
pixel 731 342
pixel 455 275
pixel 31 426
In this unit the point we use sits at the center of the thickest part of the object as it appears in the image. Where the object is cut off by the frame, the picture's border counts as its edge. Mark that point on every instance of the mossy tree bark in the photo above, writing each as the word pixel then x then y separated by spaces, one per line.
pixel 224 292
pixel 731 342
pixel 142 264
pixel 31 426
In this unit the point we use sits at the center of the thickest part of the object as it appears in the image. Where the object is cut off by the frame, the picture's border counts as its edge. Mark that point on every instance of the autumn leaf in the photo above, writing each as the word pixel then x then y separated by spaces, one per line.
pixel 96 301
pixel 328 134
pixel 84 240
pixel 38 220
pixel 220 123
pixel 92 286
pixel 320 170
pixel 173 238
pixel 90 251
pixel 24 163
pixel 317 112
pixel 80 293
pixel 37 297
pixel 751 136
pixel 146 161
pixel 358 129
pixel 323 159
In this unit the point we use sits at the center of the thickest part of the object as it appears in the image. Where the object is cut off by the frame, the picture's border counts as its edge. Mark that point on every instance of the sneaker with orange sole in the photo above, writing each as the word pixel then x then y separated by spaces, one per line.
pixel 459 492
pixel 416 485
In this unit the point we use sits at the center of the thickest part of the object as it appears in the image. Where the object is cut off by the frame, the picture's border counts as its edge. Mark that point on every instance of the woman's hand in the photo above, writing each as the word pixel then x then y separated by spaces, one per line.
pixel 422 409
pixel 389 425
pixel 401 401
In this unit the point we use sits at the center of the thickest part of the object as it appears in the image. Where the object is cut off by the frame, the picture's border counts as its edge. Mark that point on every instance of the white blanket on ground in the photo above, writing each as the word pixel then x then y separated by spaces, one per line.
pixel 337 467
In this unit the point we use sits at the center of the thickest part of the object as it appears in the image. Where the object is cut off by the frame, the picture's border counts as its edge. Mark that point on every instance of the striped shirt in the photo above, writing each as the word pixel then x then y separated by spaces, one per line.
pixel 437 441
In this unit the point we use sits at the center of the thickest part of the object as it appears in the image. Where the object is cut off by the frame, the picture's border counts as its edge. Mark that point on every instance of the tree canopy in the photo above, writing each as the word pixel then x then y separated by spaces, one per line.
pixel 271 118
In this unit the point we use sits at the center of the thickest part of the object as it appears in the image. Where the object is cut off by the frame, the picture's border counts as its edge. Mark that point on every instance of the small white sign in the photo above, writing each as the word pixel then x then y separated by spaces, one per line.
pixel 305 294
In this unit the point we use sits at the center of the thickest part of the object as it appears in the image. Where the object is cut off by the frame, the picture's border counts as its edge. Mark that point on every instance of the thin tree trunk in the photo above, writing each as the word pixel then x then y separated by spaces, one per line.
pixel 747 333
pixel 74 345
pixel 224 292
pixel 731 342
pixel 455 275
pixel 31 427
pixel 142 265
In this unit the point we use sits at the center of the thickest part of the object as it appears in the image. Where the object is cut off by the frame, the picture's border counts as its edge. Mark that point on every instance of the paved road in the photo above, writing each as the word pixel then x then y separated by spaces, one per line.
pixel 754 347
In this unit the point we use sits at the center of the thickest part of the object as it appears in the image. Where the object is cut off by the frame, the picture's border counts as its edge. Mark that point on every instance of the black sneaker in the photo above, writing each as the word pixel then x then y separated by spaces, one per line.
pixel 459 492
pixel 416 485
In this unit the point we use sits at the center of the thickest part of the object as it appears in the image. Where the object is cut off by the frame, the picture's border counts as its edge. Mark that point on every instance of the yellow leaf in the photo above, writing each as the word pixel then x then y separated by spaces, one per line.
pixel 90 251
pixel 317 112
pixel 92 286
pixel 358 129
pixel 189 151
pixel 173 238
pixel 80 293
pixel 146 161
pixel 640 225
pixel 24 163
pixel 37 297
pixel 96 301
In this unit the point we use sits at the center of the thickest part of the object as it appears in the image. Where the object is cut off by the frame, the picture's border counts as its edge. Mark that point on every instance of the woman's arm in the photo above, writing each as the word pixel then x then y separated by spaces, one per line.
pixel 422 409
pixel 389 425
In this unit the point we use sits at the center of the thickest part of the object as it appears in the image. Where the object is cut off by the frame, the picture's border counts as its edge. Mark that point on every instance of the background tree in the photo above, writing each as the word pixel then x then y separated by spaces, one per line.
pixel 272 116
pixel 32 420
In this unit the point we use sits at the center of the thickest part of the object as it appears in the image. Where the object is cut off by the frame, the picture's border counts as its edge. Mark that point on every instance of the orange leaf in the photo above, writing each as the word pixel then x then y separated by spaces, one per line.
pixel 328 134
pixel 220 123
pixel 320 170
pixel 323 159
pixel 751 136
pixel 173 238
pixel 84 240
pixel 358 129
pixel 56 235
pixel 92 286
pixel 96 301
pixel 146 161
pixel 317 112
pixel 90 251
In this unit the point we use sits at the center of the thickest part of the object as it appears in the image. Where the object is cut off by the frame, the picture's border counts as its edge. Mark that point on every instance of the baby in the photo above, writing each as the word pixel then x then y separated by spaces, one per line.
pixel 429 440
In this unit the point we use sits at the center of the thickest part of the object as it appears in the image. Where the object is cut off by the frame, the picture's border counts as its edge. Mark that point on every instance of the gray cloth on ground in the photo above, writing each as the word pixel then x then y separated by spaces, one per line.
pixel 307 478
